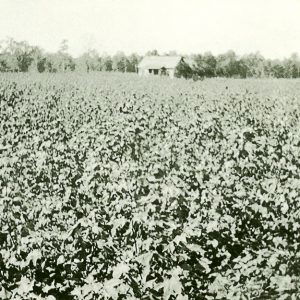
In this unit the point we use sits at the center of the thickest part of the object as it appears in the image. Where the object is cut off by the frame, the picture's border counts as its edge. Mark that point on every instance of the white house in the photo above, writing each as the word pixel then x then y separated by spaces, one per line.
pixel 159 65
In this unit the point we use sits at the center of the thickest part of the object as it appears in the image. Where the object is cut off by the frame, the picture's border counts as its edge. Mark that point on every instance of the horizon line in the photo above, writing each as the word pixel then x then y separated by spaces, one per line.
pixel 160 53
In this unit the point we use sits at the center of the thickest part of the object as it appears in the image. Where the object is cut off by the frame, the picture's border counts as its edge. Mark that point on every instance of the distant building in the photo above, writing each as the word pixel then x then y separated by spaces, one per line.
pixel 159 65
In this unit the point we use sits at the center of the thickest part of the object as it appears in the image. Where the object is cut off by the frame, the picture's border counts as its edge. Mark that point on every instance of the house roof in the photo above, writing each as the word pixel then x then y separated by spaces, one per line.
pixel 158 62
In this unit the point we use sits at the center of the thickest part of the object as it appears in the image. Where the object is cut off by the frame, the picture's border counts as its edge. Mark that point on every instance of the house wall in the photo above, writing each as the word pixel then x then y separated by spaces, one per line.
pixel 146 72
pixel 171 73
pixel 143 72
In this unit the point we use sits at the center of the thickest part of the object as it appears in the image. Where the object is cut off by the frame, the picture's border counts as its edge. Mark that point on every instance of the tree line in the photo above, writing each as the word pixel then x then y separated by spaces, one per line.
pixel 20 56
pixel 231 65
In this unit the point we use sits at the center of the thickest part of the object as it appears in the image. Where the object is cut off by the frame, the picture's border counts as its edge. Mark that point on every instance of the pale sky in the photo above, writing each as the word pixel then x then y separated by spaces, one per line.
pixel 187 26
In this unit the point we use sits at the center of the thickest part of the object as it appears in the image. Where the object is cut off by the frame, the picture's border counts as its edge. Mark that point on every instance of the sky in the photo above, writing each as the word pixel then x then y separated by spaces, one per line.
pixel 271 27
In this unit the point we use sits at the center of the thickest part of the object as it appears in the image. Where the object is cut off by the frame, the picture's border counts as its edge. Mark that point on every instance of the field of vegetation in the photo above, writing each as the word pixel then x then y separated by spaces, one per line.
pixel 119 187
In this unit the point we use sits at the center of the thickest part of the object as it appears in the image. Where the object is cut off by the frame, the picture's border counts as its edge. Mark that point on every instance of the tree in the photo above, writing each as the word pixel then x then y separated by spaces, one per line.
pixel 205 65
pixel 89 61
pixel 152 53
pixel 58 62
pixel 3 63
pixel 132 62
pixel 38 60
pixel 106 63
pixel 119 62
pixel 64 47
pixel 200 65
pixel 291 66
pixel 172 53
pixel 277 69
pixel 227 64
pixel 62 61
pixel 183 70
pixel 210 63
pixel 17 55
pixel 253 65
